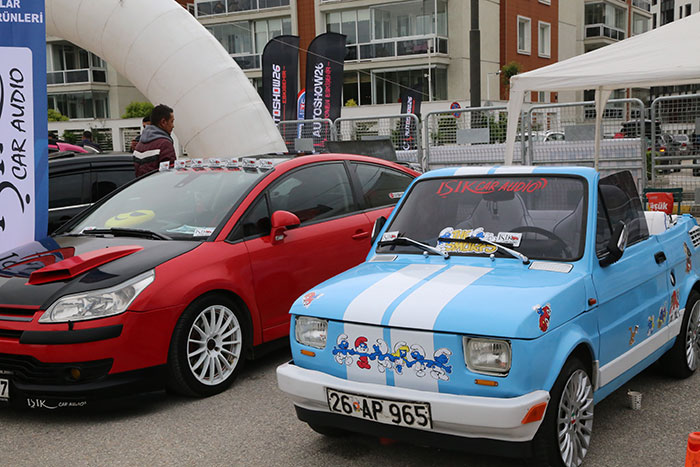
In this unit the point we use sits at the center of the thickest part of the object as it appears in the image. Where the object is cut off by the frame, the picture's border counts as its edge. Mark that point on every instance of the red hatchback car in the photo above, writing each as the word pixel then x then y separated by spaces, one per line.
pixel 180 275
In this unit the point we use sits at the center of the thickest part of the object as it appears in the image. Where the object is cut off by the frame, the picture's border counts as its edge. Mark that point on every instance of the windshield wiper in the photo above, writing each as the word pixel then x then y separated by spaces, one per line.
pixel 123 232
pixel 513 253
pixel 410 241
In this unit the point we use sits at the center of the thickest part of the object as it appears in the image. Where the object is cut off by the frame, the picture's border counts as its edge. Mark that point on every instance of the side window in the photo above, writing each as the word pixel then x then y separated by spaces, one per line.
pixel 255 222
pixel 66 190
pixel 622 203
pixel 380 186
pixel 106 182
pixel 314 193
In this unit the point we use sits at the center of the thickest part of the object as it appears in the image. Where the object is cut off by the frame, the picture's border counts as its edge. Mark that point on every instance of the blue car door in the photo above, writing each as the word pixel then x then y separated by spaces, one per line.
pixel 633 293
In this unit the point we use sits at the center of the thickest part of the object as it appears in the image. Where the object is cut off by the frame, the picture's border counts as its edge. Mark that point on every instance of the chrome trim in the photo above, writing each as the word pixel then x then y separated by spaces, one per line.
pixel 70 207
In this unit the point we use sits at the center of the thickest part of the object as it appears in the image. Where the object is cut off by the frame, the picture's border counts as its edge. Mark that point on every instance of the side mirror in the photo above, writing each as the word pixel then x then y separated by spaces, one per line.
pixel 281 221
pixel 616 245
pixel 378 224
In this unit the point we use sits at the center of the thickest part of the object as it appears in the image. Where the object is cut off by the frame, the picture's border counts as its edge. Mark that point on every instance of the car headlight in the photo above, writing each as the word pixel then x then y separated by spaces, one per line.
pixel 487 356
pixel 97 303
pixel 311 331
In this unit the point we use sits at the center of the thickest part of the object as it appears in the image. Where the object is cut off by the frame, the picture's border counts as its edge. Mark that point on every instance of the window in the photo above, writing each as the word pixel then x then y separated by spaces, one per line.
pixel 546 2
pixel 388 84
pixel 245 40
pixel 523 35
pixel 640 24
pixel 89 104
pixel 66 190
pixel 106 181
pixel 254 223
pixel 380 186
pixel 687 9
pixel 412 18
pixel 357 85
pixel 544 39
pixel 620 203
pixel 314 193
pixel 217 7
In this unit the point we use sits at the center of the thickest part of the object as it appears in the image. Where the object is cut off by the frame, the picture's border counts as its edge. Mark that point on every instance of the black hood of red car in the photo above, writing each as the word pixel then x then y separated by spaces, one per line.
pixel 78 264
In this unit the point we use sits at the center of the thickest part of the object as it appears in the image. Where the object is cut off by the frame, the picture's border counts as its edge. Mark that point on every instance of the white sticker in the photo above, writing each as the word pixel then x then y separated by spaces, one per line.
pixel 203 231
pixel 388 236
pixel 164 166
pixel 181 164
pixel 90 227
pixel 215 162
pixel 197 163
pixel 509 238
pixel 396 195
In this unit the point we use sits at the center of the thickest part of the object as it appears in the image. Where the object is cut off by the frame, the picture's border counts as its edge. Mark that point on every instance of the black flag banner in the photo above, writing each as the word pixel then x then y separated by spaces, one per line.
pixel 324 81
pixel 411 99
pixel 280 63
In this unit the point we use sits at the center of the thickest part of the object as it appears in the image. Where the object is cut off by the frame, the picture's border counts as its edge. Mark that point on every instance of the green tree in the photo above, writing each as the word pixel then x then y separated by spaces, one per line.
pixel 56 116
pixel 509 70
pixel 138 110
pixel 70 136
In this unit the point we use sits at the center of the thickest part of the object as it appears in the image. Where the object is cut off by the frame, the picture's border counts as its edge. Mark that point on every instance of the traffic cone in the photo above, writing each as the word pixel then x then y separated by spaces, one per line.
pixel 692 453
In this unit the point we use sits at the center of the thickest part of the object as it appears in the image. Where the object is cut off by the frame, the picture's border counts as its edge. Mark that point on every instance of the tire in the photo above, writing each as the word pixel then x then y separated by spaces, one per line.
pixel 570 412
pixel 683 358
pixel 207 347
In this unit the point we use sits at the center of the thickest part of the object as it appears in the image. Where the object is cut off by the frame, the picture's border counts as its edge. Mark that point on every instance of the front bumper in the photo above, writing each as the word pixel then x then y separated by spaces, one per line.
pixel 453 415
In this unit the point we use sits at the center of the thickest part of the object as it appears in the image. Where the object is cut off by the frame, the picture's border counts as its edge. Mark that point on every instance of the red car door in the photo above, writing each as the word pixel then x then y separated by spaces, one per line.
pixel 333 236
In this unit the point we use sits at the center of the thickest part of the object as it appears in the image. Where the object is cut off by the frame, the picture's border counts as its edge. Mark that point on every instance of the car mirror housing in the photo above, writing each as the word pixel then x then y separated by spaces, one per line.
pixel 378 224
pixel 281 221
pixel 616 245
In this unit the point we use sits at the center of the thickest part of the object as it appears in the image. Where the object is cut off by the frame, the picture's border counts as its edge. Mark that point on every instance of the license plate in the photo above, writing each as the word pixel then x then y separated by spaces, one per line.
pixel 4 389
pixel 391 412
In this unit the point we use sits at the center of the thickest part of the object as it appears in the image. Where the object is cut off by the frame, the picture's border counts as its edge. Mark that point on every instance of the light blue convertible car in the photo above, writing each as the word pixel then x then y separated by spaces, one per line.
pixel 496 307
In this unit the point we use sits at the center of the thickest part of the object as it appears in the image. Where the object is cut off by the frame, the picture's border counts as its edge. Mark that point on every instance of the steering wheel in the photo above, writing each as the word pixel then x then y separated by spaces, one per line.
pixel 551 235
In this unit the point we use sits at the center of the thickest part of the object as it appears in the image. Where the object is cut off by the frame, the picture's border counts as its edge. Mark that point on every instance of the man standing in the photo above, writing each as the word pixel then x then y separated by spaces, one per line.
pixel 87 140
pixel 145 122
pixel 156 144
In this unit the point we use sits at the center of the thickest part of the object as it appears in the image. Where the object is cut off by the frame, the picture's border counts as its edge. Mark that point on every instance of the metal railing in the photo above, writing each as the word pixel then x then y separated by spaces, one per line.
pixel 82 75
pixel 396 47
pixel 307 135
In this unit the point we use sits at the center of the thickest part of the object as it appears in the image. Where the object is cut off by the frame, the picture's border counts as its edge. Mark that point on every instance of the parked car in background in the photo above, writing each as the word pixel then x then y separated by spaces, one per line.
pixel 78 180
pixel 179 276
pixel 61 146
pixel 496 307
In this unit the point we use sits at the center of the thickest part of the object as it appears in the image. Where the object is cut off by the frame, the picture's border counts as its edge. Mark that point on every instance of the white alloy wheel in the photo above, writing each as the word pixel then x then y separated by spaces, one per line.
pixel 575 418
pixel 214 345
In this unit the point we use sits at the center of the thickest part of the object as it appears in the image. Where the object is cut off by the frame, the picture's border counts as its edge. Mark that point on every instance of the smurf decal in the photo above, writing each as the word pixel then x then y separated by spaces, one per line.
pixel 663 315
pixel 403 357
pixel 651 323
pixel 544 312
pixel 674 312
pixel 307 299
pixel 633 333
pixel 466 247
pixel 688 260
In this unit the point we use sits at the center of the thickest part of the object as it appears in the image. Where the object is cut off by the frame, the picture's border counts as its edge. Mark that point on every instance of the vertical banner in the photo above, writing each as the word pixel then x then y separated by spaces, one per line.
pixel 280 66
pixel 410 104
pixel 23 123
pixel 324 82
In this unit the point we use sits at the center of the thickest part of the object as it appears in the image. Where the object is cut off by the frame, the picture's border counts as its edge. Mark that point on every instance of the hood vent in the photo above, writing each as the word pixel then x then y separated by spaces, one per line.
pixel 695 236
pixel 564 268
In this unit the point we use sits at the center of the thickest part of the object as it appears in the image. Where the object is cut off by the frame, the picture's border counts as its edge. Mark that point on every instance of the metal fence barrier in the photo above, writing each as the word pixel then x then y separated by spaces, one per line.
pixel 307 135
pixel 674 150
pixel 470 136
pixel 564 134
pixel 403 130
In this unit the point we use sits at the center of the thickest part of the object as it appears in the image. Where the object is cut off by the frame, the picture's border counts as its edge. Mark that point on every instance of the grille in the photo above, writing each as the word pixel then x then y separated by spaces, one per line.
pixel 29 370
pixel 10 333
pixel 695 236
pixel 18 311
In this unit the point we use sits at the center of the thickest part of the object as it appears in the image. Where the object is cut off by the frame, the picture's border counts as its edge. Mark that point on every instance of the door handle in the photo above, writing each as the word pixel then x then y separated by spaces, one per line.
pixel 360 235
pixel 660 257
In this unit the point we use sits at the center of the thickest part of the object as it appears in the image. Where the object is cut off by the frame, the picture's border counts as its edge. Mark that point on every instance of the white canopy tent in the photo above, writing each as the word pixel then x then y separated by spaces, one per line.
pixel 661 57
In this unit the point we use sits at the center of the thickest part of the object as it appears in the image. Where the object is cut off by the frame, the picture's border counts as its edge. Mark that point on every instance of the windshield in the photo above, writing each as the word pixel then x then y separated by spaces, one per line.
pixel 179 204
pixel 541 217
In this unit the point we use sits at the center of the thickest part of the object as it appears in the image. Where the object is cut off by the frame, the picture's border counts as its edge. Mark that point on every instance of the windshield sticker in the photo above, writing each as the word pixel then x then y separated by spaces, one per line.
pixel 483 187
pixel 183 229
pixel 403 357
pixel 130 219
pixel 389 236
pixel 396 195
pixel 544 313
pixel 465 247
pixel 203 231
pixel 307 299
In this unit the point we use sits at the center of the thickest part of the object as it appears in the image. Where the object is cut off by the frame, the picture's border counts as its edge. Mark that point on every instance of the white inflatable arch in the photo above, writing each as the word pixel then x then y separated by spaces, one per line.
pixel 173 60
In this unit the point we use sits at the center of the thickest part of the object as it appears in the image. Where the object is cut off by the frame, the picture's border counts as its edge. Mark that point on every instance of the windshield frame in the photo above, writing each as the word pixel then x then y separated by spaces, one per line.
pixel 584 225
pixel 69 225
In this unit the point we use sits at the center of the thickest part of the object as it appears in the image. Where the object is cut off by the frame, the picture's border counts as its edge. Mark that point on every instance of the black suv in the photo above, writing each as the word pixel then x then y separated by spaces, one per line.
pixel 78 180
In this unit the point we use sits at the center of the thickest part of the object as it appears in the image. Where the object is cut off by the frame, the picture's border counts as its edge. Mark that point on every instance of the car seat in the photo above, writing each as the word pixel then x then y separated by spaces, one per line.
pixel 569 227
pixel 499 216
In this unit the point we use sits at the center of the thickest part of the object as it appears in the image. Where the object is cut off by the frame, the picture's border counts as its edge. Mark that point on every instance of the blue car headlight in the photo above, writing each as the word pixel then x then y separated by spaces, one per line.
pixel 487 356
pixel 311 331
pixel 97 303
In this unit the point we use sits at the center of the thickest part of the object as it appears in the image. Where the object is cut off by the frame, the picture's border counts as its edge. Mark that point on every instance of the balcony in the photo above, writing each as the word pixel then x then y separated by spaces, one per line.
pixel 395 48
pixel 601 30
pixel 216 7
pixel 80 76
pixel 247 61
pixel 642 4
